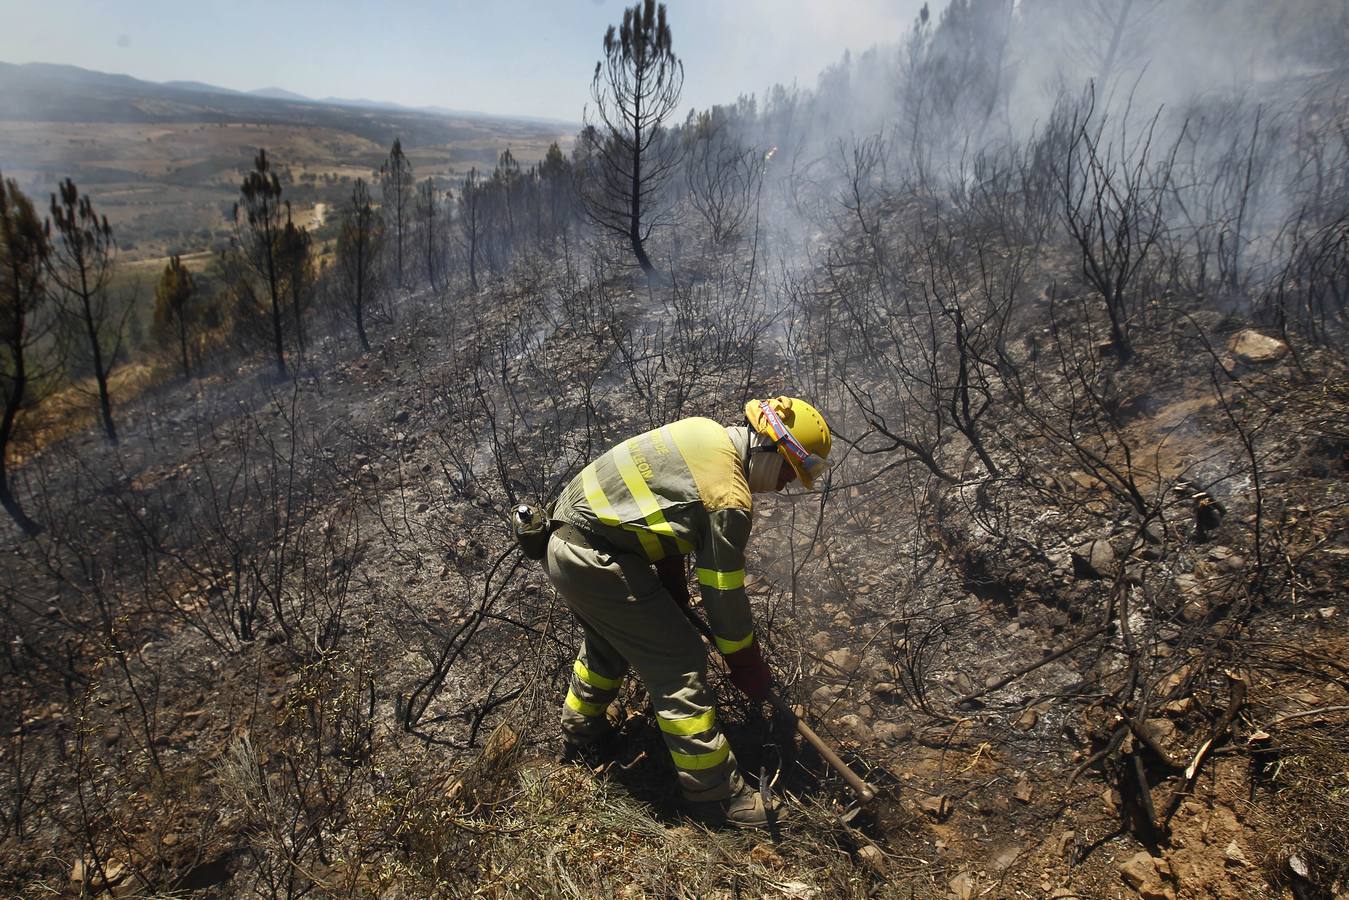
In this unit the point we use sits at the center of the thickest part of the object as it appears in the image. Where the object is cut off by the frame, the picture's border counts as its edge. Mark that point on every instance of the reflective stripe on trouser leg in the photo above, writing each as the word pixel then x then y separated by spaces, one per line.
pixel 596 676
pixel 702 757
pixel 619 599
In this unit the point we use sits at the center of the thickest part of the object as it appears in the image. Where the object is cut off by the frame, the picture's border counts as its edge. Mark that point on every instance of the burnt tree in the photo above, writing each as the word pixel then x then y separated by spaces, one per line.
pixel 395 182
pixel 429 214
pixel 723 177
pixel 172 295
pixel 358 246
pixel 470 221
pixel 258 236
pixel 1113 199
pixel 558 202
pixel 81 265
pixel 295 260
pixel 24 252
pixel 635 87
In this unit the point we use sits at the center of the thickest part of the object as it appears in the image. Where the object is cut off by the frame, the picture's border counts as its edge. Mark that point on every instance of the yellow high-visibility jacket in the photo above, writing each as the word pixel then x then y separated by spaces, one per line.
pixel 676 490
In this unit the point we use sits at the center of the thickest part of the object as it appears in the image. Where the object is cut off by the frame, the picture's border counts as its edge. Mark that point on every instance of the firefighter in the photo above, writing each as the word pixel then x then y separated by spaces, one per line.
pixel 683 489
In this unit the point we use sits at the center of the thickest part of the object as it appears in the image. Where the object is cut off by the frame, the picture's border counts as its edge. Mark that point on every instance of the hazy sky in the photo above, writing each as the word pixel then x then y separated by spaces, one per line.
pixel 529 57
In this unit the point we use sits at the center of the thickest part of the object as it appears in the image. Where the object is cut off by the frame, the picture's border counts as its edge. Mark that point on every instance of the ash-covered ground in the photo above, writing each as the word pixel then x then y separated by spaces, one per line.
pixel 1071 598
pixel 279 639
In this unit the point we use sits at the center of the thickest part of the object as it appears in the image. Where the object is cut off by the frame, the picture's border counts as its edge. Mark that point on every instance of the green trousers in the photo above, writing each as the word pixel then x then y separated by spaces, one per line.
pixel 629 619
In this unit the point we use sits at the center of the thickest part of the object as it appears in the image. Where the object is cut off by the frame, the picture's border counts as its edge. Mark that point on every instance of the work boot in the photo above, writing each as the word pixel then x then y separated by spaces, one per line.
pixel 743 809
pixel 590 751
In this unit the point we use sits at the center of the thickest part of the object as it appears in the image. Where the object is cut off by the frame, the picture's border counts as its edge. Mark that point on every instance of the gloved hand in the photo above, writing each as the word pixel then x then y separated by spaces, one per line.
pixel 749 672
pixel 674 577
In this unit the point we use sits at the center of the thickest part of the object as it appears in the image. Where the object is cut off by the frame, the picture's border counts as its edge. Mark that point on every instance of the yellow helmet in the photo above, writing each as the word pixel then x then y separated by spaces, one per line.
pixel 798 430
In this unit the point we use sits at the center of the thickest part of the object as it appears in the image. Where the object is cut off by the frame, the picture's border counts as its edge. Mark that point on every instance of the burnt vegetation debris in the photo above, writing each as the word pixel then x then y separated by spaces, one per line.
pixel 1072 596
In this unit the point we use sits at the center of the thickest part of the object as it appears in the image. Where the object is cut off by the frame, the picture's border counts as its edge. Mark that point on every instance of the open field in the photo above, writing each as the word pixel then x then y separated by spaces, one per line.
pixel 167 174
pixel 171 188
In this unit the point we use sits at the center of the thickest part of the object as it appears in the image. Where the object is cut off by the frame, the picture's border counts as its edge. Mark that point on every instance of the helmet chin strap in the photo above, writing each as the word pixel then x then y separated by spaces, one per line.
pixel 764 469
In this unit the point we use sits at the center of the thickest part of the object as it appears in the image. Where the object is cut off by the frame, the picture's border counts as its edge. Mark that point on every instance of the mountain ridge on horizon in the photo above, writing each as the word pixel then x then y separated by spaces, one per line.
pixel 55 74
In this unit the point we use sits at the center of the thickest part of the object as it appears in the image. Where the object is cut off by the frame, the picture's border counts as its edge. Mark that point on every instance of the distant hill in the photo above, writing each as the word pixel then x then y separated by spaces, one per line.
pixel 277 93
pixel 47 92
pixel 200 86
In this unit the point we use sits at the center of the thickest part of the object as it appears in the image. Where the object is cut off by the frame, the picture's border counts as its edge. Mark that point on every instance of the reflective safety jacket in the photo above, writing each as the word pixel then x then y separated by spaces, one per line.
pixel 676 490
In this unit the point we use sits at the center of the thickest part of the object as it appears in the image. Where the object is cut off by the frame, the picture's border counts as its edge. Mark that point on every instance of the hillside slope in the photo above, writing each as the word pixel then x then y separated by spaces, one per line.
pixel 370 704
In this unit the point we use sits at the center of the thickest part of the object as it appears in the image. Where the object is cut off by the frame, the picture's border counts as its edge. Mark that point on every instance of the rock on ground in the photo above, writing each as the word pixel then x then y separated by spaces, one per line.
pixel 962 886
pixel 1141 873
pixel 857 729
pixel 1252 347
pixel 843 660
pixel 872 857
pixel 1094 559
pixel 894 732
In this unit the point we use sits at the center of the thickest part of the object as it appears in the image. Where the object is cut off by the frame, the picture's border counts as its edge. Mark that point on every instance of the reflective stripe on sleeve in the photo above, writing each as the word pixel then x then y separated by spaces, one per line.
pixel 727 647
pixel 722 581
pixel 689 725
pixel 590 710
pixel 696 761
pixel 594 679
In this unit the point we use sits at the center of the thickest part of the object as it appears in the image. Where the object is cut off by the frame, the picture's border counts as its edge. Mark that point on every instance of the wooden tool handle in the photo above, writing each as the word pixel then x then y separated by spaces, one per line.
pixel 864 791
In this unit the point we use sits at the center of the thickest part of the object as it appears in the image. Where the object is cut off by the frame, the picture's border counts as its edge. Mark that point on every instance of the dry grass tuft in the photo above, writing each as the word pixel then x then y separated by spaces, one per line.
pixel 73 409
pixel 503 826
pixel 564 829
pixel 1302 806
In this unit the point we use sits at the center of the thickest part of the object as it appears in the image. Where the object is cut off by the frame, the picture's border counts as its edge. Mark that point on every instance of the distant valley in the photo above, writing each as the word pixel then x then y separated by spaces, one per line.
pixel 164 161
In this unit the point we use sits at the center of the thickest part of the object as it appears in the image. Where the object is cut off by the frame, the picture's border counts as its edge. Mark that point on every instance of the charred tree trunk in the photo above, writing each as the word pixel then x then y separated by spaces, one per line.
pixel 13 400
pixel 361 263
pixel 278 344
pixel 635 215
pixel 182 348
pixel 100 372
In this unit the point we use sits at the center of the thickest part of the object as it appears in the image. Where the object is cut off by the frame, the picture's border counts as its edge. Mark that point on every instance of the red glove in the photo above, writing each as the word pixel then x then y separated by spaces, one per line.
pixel 749 672
pixel 674 577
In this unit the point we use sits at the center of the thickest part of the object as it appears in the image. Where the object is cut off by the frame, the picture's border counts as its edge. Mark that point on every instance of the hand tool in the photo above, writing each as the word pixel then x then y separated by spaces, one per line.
pixel 865 793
